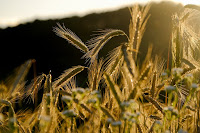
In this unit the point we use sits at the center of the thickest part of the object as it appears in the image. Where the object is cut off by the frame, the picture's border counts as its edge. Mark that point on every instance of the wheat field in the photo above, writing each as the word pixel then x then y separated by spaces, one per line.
pixel 121 96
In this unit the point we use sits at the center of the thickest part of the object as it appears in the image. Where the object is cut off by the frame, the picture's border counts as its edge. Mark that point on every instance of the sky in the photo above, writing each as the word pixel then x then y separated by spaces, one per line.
pixel 14 12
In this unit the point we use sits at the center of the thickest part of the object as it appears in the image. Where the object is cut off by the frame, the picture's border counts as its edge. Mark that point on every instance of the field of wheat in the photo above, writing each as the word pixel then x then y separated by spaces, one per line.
pixel 122 95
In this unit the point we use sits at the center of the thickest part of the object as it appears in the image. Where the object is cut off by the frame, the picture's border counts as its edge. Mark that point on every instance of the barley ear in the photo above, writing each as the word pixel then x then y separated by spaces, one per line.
pixel 23 71
pixel 114 62
pixel 67 75
pixel 129 60
pixel 36 86
pixel 96 44
pixel 47 84
pixel 70 37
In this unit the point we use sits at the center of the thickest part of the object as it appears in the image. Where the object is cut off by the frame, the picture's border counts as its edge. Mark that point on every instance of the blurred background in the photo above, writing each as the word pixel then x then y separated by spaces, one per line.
pixel 26 30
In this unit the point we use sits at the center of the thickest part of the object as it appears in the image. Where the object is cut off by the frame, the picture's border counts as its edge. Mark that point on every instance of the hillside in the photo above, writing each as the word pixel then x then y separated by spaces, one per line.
pixel 35 40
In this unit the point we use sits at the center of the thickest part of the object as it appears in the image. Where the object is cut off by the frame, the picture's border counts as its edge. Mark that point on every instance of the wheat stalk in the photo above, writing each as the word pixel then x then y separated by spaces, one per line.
pixel 114 89
pixel 153 85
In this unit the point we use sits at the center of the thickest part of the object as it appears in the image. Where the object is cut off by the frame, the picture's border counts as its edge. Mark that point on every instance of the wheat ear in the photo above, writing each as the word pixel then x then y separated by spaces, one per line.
pixel 70 37
pixel 67 75
pixel 114 62
pixel 47 84
pixel 23 71
pixel 96 44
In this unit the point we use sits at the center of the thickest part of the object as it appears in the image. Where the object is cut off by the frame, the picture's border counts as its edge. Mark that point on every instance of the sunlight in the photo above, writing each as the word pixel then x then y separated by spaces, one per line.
pixel 11 22
pixel 28 10
pixel 185 2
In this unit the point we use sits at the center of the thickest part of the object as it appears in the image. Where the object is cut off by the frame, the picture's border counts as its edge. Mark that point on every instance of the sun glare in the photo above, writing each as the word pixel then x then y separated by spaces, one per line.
pixel 8 15
pixel 10 22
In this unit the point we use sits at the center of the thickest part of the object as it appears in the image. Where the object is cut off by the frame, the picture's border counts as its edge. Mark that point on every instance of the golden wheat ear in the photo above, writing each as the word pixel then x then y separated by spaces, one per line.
pixel 96 44
pixel 21 74
pixel 67 75
pixel 95 73
pixel 71 37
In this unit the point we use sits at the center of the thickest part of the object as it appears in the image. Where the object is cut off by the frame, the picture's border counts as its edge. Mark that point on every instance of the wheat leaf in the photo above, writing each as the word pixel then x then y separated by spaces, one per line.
pixel 70 37
pixel 154 102
pixel 188 63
